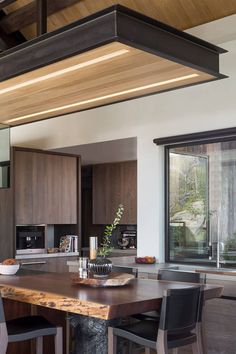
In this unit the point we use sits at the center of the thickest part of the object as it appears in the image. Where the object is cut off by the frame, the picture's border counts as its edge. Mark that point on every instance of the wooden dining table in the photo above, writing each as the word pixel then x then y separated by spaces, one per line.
pixel 93 309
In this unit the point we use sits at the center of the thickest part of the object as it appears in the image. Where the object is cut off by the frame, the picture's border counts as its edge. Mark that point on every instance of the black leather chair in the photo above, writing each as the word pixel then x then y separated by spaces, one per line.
pixel 27 328
pixel 177 326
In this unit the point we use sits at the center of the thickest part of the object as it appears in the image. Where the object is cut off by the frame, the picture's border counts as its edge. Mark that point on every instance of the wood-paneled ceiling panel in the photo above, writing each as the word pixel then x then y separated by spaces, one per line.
pixel 110 73
pixel 181 14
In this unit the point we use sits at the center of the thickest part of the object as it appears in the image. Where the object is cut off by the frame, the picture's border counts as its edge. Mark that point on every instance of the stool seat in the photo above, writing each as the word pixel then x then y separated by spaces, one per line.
pixel 26 328
pixel 147 331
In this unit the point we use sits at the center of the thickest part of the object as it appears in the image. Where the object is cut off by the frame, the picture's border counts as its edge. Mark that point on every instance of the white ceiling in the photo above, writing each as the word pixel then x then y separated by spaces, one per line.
pixel 104 152
pixel 218 31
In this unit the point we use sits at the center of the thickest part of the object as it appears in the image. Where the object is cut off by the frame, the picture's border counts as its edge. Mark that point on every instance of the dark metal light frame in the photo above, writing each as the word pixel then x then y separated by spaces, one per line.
pixel 115 23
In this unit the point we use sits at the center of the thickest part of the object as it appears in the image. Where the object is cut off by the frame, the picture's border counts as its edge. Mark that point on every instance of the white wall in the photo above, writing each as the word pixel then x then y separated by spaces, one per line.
pixel 204 107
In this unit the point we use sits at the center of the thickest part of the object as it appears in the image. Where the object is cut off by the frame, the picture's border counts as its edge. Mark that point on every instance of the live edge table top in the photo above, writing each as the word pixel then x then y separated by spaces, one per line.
pixel 55 290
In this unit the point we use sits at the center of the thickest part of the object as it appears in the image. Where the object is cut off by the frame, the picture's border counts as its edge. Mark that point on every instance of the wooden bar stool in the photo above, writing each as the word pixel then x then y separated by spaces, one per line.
pixel 27 328
pixel 176 328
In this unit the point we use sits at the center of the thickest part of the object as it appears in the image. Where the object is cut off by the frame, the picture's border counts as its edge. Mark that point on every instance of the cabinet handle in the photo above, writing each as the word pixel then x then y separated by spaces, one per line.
pixel 33 263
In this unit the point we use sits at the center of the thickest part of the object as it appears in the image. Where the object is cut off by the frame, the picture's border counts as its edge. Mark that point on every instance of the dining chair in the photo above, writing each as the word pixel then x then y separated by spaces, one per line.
pixel 179 276
pixel 170 275
pixel 177 326
pixel 27 328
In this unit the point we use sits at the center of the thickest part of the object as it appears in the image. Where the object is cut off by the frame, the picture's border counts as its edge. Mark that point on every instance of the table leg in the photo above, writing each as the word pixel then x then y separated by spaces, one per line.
pixel 91 334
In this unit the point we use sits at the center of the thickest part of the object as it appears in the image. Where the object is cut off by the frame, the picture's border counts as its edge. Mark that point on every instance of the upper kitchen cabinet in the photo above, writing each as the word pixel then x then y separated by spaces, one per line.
pixel 45 187
pixel 114 184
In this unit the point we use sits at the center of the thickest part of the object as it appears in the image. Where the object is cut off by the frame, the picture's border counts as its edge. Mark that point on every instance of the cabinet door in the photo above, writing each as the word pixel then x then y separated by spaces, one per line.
pixel 30 187
pixel 23 177
pixel 45 188
pixel 115 184
pixel 61 181
pixel 40 264
pixel 48 264
pixel 129 192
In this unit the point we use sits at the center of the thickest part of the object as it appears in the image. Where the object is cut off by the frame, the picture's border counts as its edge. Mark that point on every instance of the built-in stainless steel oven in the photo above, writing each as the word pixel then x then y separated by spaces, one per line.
pixel 30 239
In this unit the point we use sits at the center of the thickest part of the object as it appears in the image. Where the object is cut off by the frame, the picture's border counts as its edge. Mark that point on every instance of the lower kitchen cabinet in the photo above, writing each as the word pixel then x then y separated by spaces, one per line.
pixel 47 264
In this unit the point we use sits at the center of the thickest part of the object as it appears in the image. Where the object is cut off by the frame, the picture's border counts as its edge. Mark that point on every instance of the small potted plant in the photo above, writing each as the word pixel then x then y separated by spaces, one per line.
pixel 102 266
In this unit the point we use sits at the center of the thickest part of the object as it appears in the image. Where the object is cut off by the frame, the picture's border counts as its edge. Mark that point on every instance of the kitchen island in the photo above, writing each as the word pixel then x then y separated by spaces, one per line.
pixel 93 309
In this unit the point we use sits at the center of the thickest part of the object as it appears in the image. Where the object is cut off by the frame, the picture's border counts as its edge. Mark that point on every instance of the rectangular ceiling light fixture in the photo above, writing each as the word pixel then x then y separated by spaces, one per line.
pixel 112 56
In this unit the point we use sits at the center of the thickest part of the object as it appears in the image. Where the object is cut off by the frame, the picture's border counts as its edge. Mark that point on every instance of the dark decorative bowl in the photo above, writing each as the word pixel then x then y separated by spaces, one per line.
pixel 100 267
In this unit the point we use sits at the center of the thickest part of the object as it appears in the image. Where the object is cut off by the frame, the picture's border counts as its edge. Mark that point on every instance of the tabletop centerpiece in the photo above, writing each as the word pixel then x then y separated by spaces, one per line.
pixel 102 266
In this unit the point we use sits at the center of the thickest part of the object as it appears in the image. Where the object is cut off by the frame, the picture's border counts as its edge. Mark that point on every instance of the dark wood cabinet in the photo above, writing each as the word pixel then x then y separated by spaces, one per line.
pixel 45 188
pixel 48 264
pixel 114 184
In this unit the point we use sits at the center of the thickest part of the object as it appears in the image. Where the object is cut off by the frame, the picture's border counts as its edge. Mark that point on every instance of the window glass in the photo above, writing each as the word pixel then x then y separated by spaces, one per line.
pixel 202 203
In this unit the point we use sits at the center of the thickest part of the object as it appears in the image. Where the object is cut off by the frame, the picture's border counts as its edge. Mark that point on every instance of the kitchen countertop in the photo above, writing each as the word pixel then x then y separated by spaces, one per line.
pixel 47 255
pixel 128 261
pixel 119 251
pixel 217 271
pixel 153 268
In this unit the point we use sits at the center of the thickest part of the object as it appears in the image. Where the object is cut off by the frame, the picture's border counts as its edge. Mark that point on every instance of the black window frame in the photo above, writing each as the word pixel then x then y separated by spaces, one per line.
pixel 170 142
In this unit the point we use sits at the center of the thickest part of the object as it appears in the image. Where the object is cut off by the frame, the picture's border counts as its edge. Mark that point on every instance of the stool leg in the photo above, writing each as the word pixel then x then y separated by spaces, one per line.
pixel 161 346
pixel 130 347
pixel 59 341
pixel 195 348
pixel 39 345
pixel 200 339
pixel 3 338
pixel 112 341
pixel 175 351
pixel 202 332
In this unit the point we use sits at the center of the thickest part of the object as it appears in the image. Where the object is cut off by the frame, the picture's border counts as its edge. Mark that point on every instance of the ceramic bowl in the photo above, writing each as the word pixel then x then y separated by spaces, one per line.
pixel 7 269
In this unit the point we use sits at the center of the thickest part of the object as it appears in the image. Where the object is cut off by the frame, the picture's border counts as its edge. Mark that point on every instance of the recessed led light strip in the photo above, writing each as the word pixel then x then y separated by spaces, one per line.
pixel 97 99
pixel 64 71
